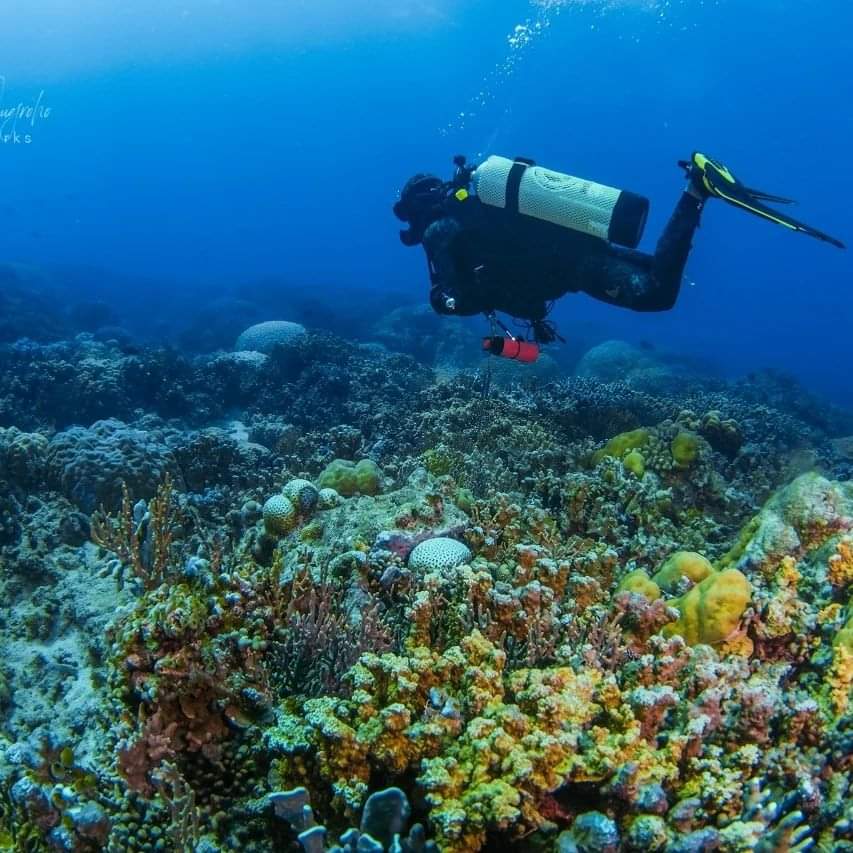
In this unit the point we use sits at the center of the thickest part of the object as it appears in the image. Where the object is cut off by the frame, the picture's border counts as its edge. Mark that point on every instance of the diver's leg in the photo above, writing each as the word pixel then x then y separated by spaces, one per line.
pixel 671 254
pixel 638 281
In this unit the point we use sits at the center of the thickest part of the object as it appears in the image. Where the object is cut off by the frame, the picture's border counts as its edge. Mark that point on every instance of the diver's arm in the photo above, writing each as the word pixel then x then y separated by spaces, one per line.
pixel 451 293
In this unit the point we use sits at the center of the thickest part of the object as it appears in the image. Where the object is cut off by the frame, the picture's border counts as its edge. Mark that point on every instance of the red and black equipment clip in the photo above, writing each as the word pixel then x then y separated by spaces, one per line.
pixel 507 345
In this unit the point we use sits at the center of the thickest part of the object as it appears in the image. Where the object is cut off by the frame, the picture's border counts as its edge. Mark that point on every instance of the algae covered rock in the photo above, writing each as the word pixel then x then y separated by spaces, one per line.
pixel 613 361
pixel 350 478
pixel 801 517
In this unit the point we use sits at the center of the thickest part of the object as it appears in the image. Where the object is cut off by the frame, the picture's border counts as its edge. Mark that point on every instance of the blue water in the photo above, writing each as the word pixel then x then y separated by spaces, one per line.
pixel 195 148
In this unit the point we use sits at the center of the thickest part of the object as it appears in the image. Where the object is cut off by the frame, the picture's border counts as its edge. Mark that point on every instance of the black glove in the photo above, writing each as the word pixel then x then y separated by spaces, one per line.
pixel 442 301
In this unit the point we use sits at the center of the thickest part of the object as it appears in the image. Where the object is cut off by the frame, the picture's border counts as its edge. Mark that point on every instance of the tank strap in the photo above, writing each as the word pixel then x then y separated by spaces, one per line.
pixel 513 182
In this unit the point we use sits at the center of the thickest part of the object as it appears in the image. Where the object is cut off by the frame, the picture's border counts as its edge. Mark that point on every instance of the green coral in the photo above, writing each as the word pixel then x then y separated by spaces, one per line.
pixel 635 463
pixel 441 461
pixel 622 444
pixel 350 478
pixel 685 449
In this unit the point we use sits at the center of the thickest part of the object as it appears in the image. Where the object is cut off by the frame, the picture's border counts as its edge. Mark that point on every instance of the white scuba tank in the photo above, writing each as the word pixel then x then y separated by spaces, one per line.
pixel 522 187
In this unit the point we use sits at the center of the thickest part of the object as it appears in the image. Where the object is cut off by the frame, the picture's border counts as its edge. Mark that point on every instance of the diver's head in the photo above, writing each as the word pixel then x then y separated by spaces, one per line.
pixel 420 205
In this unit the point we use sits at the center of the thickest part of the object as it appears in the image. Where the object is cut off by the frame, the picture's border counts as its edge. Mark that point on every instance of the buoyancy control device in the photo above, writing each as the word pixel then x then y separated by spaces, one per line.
pixel 521 186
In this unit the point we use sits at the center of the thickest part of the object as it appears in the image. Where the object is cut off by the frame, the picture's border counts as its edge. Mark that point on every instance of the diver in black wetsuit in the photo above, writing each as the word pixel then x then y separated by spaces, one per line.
pixel 495 251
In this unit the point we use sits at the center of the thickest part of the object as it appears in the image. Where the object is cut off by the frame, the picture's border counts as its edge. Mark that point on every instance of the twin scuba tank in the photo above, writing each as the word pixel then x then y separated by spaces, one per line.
pixel 521 187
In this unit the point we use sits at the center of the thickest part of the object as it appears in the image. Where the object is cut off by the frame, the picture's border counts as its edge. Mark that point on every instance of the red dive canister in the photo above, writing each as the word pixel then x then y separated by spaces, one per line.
pixel 524 351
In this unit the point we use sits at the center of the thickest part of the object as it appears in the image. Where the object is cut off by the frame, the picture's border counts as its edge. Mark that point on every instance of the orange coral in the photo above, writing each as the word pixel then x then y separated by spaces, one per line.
pixel 841 563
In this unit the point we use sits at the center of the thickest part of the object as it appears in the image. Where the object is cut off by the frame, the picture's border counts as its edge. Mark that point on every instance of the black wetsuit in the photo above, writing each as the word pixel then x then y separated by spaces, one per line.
pixel 488 259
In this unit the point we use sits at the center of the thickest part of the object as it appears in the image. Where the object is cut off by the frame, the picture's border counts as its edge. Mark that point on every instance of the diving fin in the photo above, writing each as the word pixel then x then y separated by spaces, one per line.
pixel 711 178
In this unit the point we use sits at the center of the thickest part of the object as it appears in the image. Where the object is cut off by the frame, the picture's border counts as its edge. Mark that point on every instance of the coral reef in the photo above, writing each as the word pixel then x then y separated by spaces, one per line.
pixel 322 597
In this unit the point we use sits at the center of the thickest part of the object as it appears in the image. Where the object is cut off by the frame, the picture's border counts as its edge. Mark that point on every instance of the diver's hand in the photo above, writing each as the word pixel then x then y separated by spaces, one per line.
pixel 442 301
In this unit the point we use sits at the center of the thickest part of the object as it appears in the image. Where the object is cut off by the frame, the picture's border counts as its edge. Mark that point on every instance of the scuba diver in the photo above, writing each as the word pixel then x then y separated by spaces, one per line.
pixel 510 236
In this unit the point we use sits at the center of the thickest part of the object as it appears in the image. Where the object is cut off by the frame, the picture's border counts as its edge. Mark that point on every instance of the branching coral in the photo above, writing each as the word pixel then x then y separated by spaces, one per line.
pixel 141 536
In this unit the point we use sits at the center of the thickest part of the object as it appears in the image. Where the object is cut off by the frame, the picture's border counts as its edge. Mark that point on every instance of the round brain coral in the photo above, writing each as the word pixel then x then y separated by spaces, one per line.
pixel 439 553
pixel 303 495
pixel 262 337
pixel 328 499
pixel 279 515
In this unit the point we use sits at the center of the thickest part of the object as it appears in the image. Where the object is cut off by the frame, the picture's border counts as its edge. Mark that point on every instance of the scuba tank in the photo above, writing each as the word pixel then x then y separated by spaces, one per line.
pixel 522 187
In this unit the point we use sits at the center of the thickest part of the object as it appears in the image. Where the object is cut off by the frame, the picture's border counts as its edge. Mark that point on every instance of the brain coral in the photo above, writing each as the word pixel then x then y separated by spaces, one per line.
pixel 439 553
pixel 279 516
pixel 328 498
pixel 262 337
pixel 302 494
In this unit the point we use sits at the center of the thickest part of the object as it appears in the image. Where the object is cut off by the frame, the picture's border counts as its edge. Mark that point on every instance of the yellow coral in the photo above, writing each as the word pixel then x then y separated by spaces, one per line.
pixel 488 745
pixel 841 563
pixel 687 564
pixel 712 610
pixel 840 676
pixel 621 444
pixel 638 581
